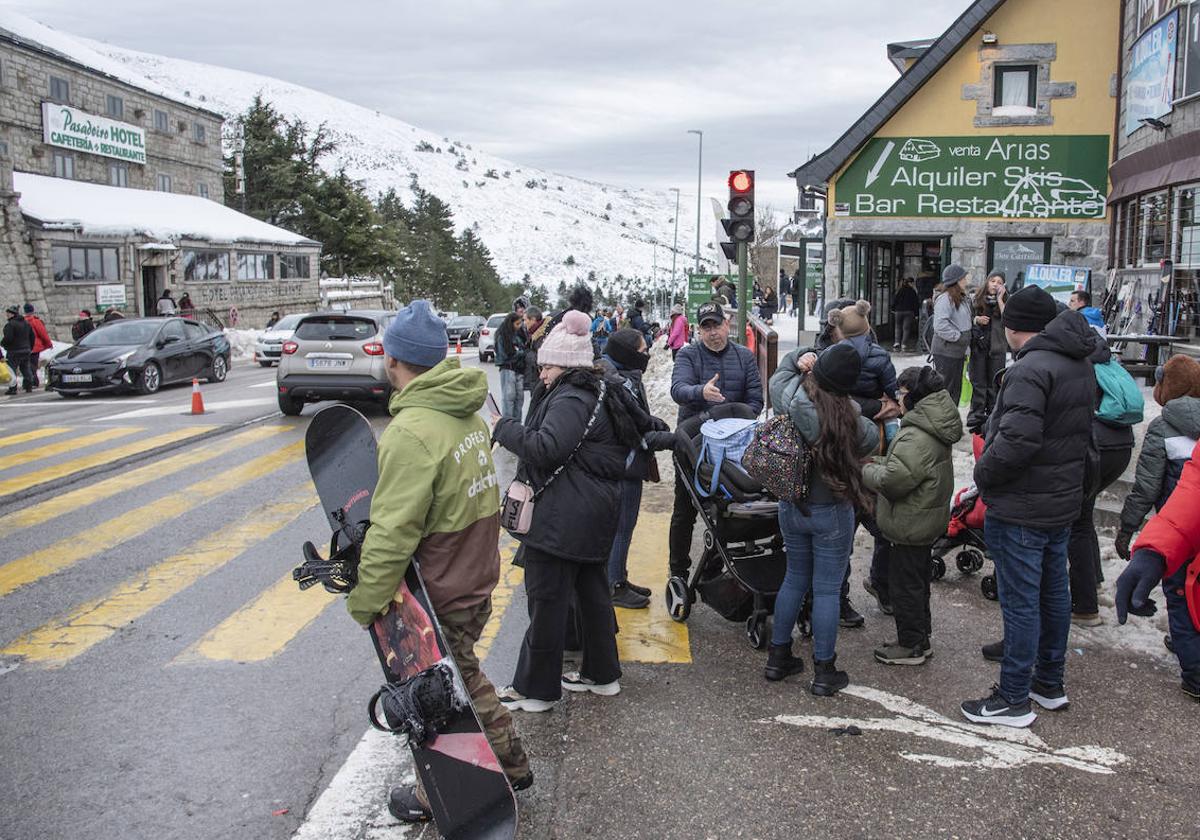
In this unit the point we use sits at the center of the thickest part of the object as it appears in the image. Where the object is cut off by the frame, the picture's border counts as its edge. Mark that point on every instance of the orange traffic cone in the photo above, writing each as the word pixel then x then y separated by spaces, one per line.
pixel 458 345
pixel 197 399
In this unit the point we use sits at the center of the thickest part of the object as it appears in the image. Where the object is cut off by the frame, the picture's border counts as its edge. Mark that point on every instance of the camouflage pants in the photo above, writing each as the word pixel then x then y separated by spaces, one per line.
pixel 462 629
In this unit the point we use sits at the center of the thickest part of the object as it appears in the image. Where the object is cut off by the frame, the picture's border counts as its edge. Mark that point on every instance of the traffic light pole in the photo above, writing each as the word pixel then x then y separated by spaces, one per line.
pixel 743 292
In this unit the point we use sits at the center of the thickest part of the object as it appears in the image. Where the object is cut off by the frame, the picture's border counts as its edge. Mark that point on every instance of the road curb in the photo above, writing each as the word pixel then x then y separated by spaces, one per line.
pixel 54 485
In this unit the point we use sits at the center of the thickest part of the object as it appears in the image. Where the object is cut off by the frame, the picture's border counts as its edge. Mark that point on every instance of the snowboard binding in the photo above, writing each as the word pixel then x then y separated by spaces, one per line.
pixel 338 574
pixel 419 706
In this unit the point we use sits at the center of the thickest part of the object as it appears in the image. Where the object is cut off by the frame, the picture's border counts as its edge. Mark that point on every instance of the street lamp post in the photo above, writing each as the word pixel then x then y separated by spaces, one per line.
pixel 699 179
pixel 675 244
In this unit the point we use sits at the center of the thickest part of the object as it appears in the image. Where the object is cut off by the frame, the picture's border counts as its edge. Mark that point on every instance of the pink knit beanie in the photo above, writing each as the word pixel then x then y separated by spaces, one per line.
pixel 569 344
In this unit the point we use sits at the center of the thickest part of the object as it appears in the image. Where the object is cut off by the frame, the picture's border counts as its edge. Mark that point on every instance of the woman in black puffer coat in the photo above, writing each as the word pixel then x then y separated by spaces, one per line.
pixel 573 455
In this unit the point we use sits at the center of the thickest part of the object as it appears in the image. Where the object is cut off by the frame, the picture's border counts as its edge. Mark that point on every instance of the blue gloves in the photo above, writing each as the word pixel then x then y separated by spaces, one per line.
pixel 1144 572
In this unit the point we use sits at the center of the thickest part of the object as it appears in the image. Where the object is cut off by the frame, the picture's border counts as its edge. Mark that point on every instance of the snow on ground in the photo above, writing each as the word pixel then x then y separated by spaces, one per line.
pixel 241 342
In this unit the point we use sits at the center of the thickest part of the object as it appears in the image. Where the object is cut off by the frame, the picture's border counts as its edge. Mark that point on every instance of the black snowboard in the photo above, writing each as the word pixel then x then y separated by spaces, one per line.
pixel 468 792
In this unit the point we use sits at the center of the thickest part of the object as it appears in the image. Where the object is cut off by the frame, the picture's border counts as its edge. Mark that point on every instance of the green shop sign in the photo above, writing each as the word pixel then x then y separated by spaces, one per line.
pixel 69 128
pixel 1010 177
pixel 700 291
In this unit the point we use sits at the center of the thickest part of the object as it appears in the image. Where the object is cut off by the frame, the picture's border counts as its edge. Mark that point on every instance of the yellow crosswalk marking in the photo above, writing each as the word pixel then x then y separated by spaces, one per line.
pixel 61 640
pixel 36 434
pixel 650 635
pixel 50 450
pixel 262 628
pixel 109 487
pixel 70 550
pixel 510 578
pixel 29 480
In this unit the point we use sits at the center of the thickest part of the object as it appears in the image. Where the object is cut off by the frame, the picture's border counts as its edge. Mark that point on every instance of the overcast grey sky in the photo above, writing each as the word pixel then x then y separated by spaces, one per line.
pixel 604 91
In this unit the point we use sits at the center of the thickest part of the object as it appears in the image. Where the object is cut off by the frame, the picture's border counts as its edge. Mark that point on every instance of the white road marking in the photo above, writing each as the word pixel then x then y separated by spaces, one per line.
pixel 1000 748
pixel 269 384
pixel 184 408
pixel 355 803
pixel 83 402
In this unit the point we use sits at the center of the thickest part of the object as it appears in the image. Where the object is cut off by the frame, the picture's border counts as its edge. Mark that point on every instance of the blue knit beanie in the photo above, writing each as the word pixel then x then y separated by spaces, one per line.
pixel 416 336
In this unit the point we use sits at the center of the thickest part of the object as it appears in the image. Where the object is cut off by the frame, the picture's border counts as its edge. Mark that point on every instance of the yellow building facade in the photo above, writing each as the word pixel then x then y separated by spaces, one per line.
pixel 991 151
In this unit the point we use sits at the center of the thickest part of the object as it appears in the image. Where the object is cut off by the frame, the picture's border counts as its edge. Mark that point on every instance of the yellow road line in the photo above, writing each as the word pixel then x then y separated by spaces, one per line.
pixel 36 434
pixel 134 523
pixel 92 493
pixel 650 635
pixel 64 638
pixel 52 449
pixel 510 578
pixel 30 480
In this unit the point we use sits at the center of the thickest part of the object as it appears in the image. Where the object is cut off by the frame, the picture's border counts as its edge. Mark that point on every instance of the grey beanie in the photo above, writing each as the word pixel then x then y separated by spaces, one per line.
pixel 953 273
pixel 416 336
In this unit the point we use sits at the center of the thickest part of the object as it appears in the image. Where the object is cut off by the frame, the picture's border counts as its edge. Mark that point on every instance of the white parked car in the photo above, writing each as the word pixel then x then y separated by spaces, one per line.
pixel 487 337
pixel 269 346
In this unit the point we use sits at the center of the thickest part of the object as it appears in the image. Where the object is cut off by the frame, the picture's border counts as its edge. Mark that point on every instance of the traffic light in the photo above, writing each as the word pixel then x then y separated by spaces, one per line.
pixel 740 224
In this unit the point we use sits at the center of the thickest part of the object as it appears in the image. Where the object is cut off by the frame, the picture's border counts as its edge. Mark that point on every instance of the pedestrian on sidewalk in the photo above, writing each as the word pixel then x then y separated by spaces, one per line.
pixel 769 305
pixel 989 349
pixel 571 452
pixel 186 308
pixel 680 333
pixel 41 341
pixel 914 483
pixel 708 372
pixel 952 329
pixel 625 361
pixel 113 313
pixel 906 307
pixel 1166 550
pixel 510 359
pixel 432 503
pixel 1031 476
pixel 83 325
pixel 18 341
pixel 536 329
pixel 166 304
pixel 819 533
pixel 1167 446
pixel 785 292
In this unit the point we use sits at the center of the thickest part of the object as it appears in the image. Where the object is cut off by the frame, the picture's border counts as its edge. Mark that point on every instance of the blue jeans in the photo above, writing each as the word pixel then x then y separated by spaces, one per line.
pixel 818 554
pixel 631 502
pixel 512 394
pixel 1185 638
pixel 1035 601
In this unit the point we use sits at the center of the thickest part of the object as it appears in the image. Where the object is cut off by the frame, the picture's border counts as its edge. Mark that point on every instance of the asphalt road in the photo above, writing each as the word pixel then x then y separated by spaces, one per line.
pixel 160 676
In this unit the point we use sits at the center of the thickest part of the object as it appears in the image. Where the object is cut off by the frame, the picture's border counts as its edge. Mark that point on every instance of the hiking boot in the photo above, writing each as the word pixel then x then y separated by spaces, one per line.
pixel 641 590
pixel 1191 690
pixel 575 681
pixel 827 679
pixel 850 617
pixel 1050 698
pixel 898 654
pixel 885 606
pixel 515 701
pixel 781 663
pixel 1086 619
pixel 994 710
pixel 523 783
pixel 994 652
pixel 11 391
pixel 623 596
pixel 405 804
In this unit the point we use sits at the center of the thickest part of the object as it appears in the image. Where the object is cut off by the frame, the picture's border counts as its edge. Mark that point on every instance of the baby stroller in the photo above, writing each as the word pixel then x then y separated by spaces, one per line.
pixel 743 563
pixel 965 531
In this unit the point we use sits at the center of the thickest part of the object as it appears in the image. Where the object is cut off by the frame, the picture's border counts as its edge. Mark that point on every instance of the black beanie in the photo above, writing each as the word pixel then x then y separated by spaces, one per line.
pixel 1029 310
pixel 837 369
pixel 622 348
pixel 919 382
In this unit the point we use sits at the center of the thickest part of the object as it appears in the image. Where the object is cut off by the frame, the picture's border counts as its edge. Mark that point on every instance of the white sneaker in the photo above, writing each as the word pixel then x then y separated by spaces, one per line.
pixel 515 701
pixel 574 681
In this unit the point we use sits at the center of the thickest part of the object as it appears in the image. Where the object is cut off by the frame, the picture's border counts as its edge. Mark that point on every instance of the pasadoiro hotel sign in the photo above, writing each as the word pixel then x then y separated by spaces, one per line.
pixel 70 128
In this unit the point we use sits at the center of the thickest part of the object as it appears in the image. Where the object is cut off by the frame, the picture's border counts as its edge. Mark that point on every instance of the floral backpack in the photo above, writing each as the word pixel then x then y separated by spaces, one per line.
pixel 780 460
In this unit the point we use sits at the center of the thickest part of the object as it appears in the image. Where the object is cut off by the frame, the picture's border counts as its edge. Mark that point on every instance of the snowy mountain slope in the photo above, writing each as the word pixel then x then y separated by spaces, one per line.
pixel 531 220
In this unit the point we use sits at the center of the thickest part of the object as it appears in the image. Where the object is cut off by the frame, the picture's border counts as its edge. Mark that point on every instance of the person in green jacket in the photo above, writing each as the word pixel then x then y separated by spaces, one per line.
pixel 437 499
pixel 914 482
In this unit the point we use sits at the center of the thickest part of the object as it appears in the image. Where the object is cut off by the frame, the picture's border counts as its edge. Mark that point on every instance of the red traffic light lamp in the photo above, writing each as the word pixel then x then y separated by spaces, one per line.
pixel 740 224
pixel 741 181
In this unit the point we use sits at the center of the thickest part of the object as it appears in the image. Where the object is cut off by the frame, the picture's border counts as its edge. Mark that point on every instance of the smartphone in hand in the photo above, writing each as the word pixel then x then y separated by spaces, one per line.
pixel 493 409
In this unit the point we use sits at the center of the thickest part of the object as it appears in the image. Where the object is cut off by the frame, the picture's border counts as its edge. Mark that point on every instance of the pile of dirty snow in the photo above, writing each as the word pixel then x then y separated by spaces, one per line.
pixel 241 342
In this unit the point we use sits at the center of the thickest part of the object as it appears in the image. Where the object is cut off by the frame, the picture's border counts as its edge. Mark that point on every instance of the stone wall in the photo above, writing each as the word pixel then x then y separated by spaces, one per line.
pixel 19 281
pixel 25 83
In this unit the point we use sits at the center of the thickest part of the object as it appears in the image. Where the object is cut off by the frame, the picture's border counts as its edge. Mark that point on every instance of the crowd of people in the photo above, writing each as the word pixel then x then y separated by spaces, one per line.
pixel 1054 418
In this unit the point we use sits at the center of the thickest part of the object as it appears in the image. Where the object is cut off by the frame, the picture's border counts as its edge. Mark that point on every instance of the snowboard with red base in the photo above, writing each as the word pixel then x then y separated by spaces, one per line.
pixel 424 697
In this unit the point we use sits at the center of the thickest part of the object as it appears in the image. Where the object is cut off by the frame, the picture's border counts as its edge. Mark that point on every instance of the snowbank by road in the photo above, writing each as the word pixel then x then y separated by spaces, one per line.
pixel 241 342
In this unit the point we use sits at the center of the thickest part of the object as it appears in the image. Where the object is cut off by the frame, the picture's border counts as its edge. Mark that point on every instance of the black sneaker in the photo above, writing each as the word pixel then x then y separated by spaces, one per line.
pixel 1052 699
pixel 885 606
pixel 994 710
pixel 850 617
pixel 1168 644
pixel 404 805
pixel 1191 690
pixel 898 654
pixel 623 596
pixel 993 652
pixel 641 590
pixel 523 783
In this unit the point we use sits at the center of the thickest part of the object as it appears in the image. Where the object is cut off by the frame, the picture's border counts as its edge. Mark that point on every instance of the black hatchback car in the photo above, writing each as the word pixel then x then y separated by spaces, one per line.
pixel 465 328
pixel 140 354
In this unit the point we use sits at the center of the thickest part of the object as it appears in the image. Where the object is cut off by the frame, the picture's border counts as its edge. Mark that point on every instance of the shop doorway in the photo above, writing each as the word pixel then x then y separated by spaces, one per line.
pixel 152 288
pixel 872 269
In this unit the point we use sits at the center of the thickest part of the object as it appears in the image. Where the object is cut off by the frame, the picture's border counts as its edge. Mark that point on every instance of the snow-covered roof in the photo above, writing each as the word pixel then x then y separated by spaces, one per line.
pixel 40 37
pixel 98 210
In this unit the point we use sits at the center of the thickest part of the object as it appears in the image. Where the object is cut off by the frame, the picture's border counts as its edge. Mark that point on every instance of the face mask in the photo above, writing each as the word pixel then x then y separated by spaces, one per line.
pixel 640 361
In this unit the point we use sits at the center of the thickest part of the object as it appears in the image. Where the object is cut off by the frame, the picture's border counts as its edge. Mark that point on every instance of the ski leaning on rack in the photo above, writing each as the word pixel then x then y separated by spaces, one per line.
pixel 424 697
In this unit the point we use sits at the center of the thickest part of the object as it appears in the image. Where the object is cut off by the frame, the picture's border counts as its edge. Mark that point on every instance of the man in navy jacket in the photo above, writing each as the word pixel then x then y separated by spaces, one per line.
pixel 708 372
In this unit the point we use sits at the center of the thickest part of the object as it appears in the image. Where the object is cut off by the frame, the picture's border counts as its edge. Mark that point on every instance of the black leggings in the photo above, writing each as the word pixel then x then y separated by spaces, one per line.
pixel 1083 550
